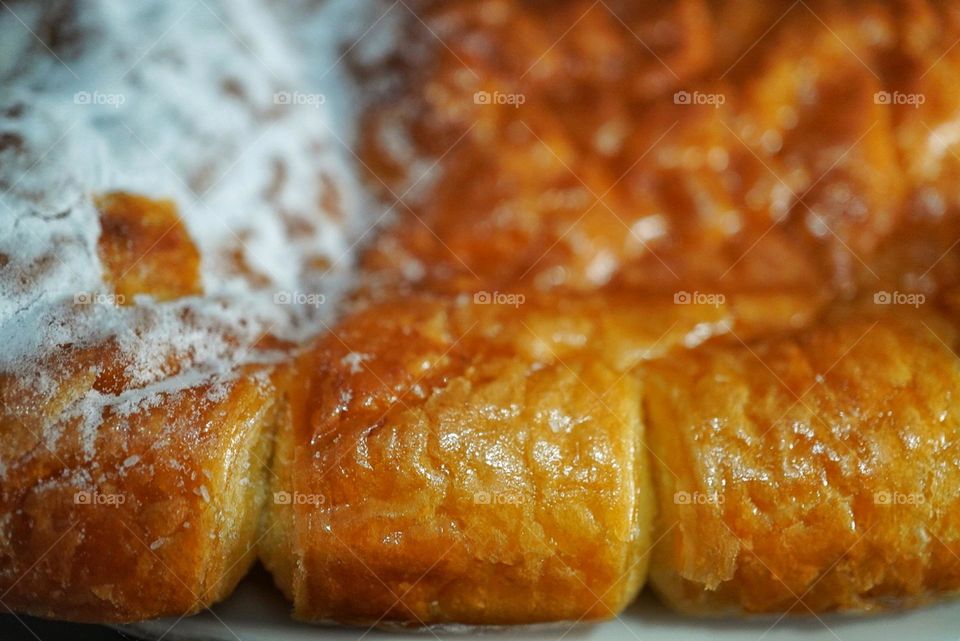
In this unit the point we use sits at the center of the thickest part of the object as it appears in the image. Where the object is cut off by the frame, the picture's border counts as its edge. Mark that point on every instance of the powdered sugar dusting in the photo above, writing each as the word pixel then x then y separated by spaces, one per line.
pixel 187 101
pixel 355 361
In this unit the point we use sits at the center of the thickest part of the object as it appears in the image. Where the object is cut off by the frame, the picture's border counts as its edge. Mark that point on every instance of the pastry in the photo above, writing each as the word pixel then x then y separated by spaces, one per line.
pixel 436 480
pixel 164 522
pixel 495 314
pixel 808 474
pixel 569 186
pixel 147 325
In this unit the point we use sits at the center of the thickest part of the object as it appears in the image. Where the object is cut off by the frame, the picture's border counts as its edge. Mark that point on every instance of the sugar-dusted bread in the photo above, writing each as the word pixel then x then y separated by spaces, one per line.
pixel 131 511
pixel 133 467
pixel 133 476
pixel 171 231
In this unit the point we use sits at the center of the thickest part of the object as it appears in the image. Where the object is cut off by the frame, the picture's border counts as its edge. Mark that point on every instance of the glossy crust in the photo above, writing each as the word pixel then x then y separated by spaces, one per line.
pixel 610 171
pixel 610 204
pixel 460 460
pixel 442 477
pixel 523 397
pixel 141 240
pixel 812 473
pixel 161 521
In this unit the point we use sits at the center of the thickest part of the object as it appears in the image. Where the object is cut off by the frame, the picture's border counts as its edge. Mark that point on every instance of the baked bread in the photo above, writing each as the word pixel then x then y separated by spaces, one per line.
pixel 639 303
pixel 148 327
pixel 809 473
pixel 163 521
pixel 434 480
pixel 601 202
pixel 454 461
pixel 125 497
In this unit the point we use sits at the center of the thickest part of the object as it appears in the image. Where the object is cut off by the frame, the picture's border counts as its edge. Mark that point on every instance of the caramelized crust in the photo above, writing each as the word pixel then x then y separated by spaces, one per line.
pixel 133 468
pixel 140 382
pixel 145 248
pixel 465 460
pixel 443 475
pixel 811 473
pixel 143 510
pixel 528 390
pixel 806 164
pixel 598 189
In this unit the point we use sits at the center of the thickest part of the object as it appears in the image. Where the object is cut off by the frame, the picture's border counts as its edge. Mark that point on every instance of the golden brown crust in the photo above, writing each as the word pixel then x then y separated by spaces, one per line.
pixel 443 459
pixel 435 480
pixel 133 468
pixel 601 189
pixel 811 473
pixel 464 460
pixel 145 248
pixel 602 174
pixel 160 521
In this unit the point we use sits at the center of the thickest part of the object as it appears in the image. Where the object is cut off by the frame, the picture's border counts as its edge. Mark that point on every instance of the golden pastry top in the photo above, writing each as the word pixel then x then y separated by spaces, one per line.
pixel 673 147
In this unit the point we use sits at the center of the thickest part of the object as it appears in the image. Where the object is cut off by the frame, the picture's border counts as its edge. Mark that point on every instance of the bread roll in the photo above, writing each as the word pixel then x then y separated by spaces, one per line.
pixel 810 473
pixel 162 520
pixel 477 459
pixel 437 478
pixel 614 311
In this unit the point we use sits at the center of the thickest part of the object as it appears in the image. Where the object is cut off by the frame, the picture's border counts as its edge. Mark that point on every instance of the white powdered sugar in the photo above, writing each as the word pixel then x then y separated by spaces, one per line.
pixel 241 112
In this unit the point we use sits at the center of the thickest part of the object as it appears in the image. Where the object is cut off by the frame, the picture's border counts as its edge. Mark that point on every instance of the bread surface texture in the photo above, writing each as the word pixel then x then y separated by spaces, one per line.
pixel 436 480
pixel 810 473
pixel 154 513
